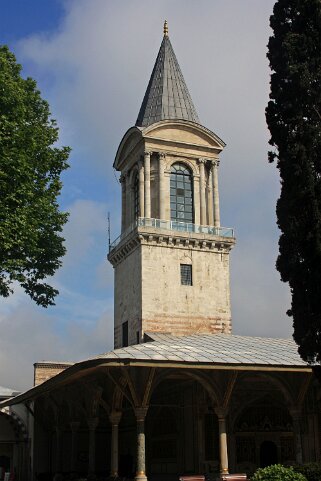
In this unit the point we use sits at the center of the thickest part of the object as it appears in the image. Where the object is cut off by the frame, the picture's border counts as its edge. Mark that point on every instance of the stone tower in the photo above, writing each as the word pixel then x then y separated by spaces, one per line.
pixel 171 260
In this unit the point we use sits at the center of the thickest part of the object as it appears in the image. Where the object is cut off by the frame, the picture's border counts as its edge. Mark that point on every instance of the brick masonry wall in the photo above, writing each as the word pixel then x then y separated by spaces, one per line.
pixel 44 371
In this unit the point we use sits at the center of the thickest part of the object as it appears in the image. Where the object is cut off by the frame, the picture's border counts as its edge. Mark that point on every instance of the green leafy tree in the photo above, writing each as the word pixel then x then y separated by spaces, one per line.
pixel 294 120
pixel 30 168
pixel 277 472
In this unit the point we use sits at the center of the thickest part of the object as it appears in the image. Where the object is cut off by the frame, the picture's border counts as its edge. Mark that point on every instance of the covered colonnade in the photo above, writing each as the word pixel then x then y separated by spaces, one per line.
pixel 173 406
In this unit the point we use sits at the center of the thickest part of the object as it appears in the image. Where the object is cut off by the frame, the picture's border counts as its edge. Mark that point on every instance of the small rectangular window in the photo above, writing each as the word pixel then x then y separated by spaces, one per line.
pixel 186 275
pixel 125 334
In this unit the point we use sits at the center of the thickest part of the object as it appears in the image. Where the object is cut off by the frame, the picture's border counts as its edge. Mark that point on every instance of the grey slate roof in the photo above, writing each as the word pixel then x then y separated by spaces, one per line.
pixel 212 349
pixel 167 96
pixel 225 351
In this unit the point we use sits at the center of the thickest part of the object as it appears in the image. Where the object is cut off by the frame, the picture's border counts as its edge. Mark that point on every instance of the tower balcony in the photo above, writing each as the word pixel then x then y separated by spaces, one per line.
pixel 174 228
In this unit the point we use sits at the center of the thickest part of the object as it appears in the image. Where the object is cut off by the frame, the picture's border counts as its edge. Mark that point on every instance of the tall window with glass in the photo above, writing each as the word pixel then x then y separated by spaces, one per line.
pixel 181 190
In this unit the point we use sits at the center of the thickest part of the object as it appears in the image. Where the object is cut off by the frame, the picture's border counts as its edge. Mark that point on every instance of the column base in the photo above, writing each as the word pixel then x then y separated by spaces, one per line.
pixel 140 477
pixel 224 471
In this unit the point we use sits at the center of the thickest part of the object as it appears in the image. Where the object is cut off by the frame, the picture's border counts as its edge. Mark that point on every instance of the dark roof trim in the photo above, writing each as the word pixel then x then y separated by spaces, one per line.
pixel 91 364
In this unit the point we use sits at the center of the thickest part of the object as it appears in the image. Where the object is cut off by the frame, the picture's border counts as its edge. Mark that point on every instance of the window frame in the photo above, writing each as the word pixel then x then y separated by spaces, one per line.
pixel 181 193
pixel 187 276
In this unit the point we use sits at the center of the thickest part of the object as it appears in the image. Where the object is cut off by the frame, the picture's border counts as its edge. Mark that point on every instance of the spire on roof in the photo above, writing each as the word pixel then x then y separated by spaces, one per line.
pixel 167 96
pixel 165 29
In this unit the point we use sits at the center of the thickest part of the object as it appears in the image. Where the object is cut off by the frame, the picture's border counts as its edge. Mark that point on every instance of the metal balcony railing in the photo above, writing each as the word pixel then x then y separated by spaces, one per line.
pixel 174 225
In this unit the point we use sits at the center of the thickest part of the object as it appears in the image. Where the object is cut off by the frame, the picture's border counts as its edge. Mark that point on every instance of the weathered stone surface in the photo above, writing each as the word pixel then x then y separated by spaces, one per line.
pixel 149 294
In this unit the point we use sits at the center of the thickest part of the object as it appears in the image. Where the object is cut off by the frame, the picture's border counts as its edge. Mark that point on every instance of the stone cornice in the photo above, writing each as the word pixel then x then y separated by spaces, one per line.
pixel 169 239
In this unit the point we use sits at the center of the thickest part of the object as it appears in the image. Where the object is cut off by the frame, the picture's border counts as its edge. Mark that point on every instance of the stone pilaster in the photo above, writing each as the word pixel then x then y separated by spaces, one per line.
pixel 217 221
pixel 141 462
pixel 161 194
pixel 114 418
pixel 141 176
pixel 123 202
pixel 202 192
pixel 92 425
pixel 210 204
pixel 147 184
pixel 128 201
pixel 74 426
pixel 221 414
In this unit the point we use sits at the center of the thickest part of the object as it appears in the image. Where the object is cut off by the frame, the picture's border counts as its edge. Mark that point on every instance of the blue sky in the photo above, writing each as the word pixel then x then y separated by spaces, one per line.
pixel 92 61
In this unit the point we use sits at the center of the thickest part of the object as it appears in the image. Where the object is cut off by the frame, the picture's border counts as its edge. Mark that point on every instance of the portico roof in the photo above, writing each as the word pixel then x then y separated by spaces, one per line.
pixel 198 351
pixel 216 349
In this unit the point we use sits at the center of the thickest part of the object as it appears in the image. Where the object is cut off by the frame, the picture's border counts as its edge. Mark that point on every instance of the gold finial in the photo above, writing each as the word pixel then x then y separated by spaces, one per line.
pixel 165 29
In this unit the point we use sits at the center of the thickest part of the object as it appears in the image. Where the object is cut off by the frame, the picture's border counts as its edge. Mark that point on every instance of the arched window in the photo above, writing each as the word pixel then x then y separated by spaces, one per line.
pixel 136 197
pixel 182 208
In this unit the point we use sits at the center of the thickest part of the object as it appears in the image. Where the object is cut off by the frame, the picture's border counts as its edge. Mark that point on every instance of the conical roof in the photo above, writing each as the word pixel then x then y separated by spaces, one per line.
pixel 167 96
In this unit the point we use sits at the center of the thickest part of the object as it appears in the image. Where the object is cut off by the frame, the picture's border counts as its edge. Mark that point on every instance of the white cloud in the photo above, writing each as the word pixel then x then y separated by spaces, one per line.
pixel 29 334
pixel 79 326
pixel 87 220
pixel 98 63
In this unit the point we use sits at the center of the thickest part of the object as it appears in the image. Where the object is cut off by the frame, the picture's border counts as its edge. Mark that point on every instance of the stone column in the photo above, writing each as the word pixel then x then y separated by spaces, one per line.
pixel 141 468
pixel 92 424
pixel 74 426
pixel 128 201
pixel 221 414
pixel 217 221
pixel 123 202
pixel 161 180
pixel 147 184
pixel 202 191
pixel 141 188
pixel 210 212
pixel 296 415
pixel 58 464
pixel 114 418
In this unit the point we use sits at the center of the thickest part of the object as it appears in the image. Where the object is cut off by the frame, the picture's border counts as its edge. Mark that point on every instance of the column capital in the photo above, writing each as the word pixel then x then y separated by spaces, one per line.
pixel 147 153
pixel 162 155
pixel 215 162
pixel 115 417
pixel 140 413
pixel 74 425
pixel 92 423
pixel 202 160
pixel 221 413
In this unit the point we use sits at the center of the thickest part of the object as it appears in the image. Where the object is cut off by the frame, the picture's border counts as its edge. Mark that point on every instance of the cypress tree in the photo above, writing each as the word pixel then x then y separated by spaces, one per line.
pixel 293 116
